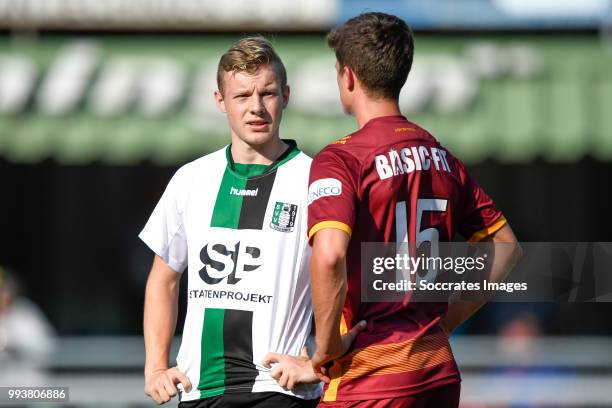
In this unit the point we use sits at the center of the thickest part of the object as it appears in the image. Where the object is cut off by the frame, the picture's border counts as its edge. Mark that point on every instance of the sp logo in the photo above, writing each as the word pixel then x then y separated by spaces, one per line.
pixel 221 261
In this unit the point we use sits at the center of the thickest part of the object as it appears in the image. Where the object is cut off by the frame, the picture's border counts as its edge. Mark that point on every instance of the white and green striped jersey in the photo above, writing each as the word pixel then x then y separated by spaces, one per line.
pixel 241 231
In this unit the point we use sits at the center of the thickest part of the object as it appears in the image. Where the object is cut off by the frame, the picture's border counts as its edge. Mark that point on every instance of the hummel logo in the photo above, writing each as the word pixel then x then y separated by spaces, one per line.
pixel 243 192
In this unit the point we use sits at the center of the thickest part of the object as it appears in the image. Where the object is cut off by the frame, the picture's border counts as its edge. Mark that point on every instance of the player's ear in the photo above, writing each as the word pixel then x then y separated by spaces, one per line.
pixel 220 101
pixel 286 92
pixel 349 77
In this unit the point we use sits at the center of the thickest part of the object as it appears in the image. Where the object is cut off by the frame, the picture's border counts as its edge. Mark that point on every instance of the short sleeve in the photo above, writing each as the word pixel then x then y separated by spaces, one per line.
pixel 164 233
pixel 332 193
pixel 479 217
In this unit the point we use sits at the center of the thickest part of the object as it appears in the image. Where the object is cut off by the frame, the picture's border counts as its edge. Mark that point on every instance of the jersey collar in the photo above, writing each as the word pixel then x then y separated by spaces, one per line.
pixel 259 169
pixel 389 118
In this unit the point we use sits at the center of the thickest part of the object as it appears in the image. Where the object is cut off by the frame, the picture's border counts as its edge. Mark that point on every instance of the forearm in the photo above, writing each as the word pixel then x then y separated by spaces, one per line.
pixel 328 275
pixel 160 313
pixel 328 295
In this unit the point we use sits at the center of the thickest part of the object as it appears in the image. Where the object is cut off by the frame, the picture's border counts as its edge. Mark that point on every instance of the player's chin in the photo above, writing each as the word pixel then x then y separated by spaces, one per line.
pixel 256 138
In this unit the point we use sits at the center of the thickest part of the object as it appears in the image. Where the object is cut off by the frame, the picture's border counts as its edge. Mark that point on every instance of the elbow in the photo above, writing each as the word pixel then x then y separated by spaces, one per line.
pixel 517 253
pixel 328 259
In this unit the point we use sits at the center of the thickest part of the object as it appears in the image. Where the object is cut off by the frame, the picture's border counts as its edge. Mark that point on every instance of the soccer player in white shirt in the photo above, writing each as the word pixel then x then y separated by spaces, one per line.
pixel 236 218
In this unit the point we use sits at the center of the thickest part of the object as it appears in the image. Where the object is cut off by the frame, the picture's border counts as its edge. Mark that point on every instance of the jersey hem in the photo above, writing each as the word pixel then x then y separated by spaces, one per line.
pixel 315 393
pixel 396 393
pixel 174 264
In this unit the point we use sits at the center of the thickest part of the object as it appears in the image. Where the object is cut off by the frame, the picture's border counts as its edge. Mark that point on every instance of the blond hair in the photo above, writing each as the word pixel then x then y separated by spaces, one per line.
pixel 249 55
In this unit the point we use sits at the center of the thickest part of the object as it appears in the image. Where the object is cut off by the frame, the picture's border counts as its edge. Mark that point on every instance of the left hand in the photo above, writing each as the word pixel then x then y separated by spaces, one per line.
pixel 322 357
pixel 291 371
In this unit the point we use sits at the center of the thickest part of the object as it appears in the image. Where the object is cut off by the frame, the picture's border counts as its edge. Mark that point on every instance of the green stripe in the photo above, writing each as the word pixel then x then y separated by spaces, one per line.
pixel 226 213
pixel 249 170
pixel 212 361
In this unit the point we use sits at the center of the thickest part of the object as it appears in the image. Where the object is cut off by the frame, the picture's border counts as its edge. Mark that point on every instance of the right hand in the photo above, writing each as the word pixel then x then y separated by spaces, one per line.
pixel 290 371
pixel 160 385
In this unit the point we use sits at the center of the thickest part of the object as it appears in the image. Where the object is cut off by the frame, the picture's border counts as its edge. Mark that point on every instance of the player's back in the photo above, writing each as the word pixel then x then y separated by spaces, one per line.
pixel 394 182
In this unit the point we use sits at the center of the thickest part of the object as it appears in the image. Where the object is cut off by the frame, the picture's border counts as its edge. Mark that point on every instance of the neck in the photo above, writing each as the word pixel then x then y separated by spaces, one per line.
pixel 265 153
pixel 366 109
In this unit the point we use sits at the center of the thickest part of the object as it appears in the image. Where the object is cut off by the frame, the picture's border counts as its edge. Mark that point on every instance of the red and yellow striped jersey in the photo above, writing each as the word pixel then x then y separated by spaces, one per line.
pixel 391 181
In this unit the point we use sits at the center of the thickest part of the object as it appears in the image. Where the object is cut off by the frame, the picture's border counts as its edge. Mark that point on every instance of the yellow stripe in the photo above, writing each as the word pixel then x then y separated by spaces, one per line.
pixel 394 358
pixel 336 370
pixel 483 233
pixel 343 326
pixel 410 355
pixel 329 224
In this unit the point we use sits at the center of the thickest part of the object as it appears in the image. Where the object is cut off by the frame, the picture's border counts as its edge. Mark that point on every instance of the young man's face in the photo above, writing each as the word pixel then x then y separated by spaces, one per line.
pixel 253 103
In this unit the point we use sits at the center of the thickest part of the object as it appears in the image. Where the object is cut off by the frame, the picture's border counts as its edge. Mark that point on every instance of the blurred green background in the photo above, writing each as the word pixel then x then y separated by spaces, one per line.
pixel 122 99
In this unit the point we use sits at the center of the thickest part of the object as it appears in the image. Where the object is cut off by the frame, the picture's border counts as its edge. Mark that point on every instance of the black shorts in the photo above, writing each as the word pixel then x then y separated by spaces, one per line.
pixel 251 400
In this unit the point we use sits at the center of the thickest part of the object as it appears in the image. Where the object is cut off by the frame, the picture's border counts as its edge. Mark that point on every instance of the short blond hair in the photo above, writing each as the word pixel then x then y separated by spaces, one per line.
pixel 249 55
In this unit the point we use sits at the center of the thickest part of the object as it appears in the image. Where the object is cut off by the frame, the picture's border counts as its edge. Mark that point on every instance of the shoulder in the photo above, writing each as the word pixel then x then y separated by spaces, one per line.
pixel 297 168
pixel 342 152
pixel 216 158
pixel 206 163
pixel 303 160
pixel 202 168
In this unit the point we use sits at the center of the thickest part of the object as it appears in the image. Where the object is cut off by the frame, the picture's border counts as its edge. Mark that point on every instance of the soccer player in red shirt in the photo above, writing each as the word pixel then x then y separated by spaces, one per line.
pixel 390 181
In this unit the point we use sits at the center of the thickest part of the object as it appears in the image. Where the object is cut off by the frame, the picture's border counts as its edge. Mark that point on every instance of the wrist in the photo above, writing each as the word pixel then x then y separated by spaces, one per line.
pixel 154 370
pixel 332 348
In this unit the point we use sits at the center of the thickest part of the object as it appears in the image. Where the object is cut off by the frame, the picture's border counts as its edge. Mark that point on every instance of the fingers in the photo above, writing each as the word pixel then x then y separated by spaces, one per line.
pixel 161 387
pixel 319 369
pixel 322 375
pixel 271 358
pixel 156 390
pixel 349 338
pixel 291 384
pixel 283 380
pixel 169 386
pixel 156 397
pixel 276 373
pixel 304 352
pixel 163 395
pixel 178 377
pixel 358 328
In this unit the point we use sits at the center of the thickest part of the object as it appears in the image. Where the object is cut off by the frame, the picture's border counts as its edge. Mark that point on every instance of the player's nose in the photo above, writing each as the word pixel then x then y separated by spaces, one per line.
pixel 257 106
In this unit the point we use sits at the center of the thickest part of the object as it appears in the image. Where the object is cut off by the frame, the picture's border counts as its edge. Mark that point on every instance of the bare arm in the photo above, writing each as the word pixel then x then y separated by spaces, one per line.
pixel 291 371
pixel 328 278
pixel 505 257
pixel 160 310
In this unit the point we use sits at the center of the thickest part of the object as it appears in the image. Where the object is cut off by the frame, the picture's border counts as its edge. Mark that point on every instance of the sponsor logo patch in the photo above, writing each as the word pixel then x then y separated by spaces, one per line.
pixel 343 140
pixel 231 261
pixel 324 188
pixel 243 192
pixel 283 217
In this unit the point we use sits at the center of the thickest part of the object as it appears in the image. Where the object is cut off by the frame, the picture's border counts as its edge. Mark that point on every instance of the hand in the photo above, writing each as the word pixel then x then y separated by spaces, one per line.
pixel 160 385
pixel 322 357
pixel 291 371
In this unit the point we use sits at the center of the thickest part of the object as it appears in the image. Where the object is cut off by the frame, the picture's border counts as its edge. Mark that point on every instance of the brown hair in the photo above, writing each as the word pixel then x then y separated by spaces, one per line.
pixel 249 55
pixel 378 47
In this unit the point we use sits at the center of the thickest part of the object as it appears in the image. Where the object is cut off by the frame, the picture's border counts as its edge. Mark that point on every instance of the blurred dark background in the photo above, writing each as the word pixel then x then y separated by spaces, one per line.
pixel 71 233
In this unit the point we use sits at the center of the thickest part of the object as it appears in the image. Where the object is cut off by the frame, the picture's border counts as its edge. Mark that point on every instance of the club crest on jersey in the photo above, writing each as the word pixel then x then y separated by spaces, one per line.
pixel 283 217
pixel 324 188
